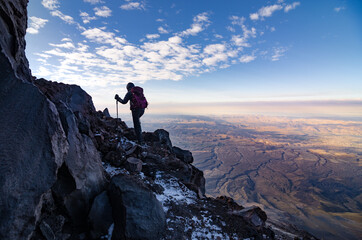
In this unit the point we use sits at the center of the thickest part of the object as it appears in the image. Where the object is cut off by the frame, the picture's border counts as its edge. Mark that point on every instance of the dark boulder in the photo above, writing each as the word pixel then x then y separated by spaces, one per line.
pixel 137 213
pixel 192 177
pixel 184 155
pixel 164 138
pixel 100 216
pixel 254 215
pixel 134 164
pixel 106 112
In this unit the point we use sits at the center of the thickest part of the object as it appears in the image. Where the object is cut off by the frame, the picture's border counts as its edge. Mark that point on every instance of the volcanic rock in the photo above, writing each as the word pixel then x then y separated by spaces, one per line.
pixel 183 155
pixel 100 216
pixel 134 164
pixel 137 213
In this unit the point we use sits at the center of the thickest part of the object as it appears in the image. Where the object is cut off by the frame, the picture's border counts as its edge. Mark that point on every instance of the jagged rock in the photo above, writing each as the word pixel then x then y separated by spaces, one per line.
pixel 32 143
pixel 136 211
pixel 13 25
pixel 230 203
pixel 73 96
pixel 100 216
pixel 164 138
pixel 254 215
pixel 99 139
pixel 134 164
pixel 183 155
pixel 46 231
pixel 116 158
pixel 132 150
pixel 106 112
pixel 150 137
pixel 83 160
pixel 192 177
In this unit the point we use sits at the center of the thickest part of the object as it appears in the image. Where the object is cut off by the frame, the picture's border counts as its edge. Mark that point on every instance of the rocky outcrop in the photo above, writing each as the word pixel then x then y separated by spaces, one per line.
pixel 100 216
pixel 43 150
pixel 32 147
pixel 13 24
pixel 136 211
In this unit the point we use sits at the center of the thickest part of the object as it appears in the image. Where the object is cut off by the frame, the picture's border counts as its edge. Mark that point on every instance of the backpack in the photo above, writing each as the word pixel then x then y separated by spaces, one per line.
pixel 138 99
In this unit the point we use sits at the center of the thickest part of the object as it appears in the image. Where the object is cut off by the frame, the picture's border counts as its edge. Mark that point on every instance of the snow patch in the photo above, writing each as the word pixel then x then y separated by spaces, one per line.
pixel 174 191
pixel 112 171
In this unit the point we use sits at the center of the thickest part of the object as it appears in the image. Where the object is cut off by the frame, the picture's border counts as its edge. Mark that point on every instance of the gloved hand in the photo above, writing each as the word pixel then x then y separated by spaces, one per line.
pixel 116 97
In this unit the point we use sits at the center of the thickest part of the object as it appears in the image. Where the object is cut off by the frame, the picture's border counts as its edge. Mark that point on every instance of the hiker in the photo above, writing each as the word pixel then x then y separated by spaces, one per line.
pixel 138 103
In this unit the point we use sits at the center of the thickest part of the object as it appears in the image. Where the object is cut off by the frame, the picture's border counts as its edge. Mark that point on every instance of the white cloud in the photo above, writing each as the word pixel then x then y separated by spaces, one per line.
pixel 272 29
pixel 65 18
pixel 112 59
pixel 231 29
pixel 338 9
pixel 200 22
pixel 133 6
pixel 162 30
pixel 265 11
pixel 53 5
pixel 152 36
pixel 292 6
pixel 254 16
pixel 247 58
pixel 269 10
pixel 238 40
pixel 50 4
pixel 99 36
pixel 215 53
pixel 93 1
pixel 278 52
pixel 102 11
pixel 67 45
pixel 35 24
pixel 86 18
pixel 43 72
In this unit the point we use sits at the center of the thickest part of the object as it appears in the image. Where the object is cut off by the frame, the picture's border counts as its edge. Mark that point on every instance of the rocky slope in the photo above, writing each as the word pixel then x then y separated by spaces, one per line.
pixel 69 172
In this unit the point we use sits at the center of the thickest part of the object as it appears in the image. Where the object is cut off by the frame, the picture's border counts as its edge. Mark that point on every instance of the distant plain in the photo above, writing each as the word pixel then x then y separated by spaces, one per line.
pixel 305 171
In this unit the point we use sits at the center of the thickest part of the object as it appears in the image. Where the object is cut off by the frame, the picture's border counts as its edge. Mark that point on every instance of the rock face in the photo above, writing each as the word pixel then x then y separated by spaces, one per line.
pixel 32 147
pixel 40 141
pixel 183 155
pixel 100 216
pixel 13 24
pixel 32 142
pixel 83 159
pixel 136 211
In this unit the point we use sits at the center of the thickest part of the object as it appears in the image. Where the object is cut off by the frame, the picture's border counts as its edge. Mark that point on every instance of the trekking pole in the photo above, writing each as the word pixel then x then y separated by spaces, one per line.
pixel 117 108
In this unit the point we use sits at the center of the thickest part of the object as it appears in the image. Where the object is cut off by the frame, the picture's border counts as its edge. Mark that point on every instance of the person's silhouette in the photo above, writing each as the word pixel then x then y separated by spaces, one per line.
pixel 138 103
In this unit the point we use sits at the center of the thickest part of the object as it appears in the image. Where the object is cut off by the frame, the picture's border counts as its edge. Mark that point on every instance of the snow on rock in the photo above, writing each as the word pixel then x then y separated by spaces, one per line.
pixel 174 191
pixel 112 171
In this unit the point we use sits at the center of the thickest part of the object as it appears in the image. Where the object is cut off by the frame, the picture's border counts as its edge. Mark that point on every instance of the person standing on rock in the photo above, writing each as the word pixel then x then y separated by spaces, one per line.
pixel 138 103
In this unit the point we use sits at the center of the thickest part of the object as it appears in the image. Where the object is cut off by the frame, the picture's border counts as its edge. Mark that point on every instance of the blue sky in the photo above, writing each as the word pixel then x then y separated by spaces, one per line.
pixel 200 51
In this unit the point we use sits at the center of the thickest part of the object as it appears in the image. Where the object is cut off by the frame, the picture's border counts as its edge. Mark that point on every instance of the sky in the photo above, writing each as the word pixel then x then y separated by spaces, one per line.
pixel 192 55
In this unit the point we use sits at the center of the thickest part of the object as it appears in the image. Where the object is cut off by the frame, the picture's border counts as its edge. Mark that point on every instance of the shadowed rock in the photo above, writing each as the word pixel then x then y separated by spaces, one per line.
pixel 136 211
pixel 100 216
pixel 134 164
pixel 32 147
pixel 183 155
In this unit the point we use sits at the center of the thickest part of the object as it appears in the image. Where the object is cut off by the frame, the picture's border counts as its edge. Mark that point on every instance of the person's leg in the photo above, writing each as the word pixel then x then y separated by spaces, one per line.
pixel 136 114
